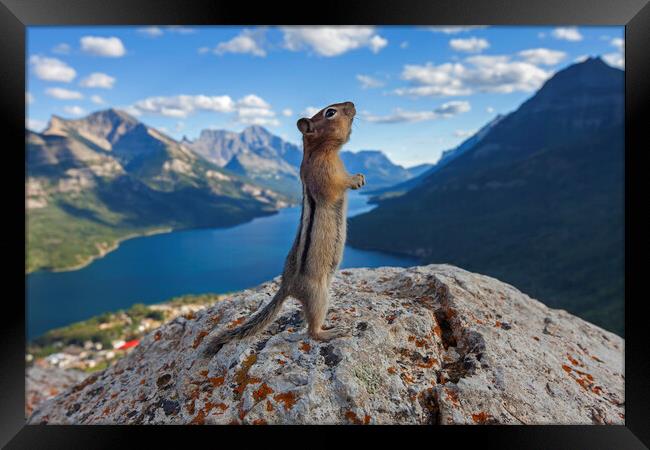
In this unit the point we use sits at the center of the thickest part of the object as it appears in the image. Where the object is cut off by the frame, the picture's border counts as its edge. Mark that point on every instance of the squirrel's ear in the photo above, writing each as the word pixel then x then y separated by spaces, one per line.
pixel 305 126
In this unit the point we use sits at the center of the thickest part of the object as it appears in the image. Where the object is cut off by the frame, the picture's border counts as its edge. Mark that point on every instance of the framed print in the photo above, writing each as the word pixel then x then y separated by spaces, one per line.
pixel 362 216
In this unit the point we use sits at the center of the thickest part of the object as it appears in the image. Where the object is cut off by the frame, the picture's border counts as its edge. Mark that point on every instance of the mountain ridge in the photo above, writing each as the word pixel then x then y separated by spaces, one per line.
pixel 537 203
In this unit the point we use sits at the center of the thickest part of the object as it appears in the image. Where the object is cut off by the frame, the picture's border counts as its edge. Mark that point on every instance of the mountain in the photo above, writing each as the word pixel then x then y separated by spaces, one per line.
pixel 538 202
pixel 94 181
pixel 421 173
pixel 255 153
pixel 431 345
pixel 272 162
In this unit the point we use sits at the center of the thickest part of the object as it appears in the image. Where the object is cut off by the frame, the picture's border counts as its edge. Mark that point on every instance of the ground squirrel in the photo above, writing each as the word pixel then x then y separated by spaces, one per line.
pixel 318 247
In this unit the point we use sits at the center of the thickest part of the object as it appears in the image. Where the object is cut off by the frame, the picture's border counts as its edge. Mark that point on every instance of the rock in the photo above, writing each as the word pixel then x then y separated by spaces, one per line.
pixel 43 383
pixel 426 345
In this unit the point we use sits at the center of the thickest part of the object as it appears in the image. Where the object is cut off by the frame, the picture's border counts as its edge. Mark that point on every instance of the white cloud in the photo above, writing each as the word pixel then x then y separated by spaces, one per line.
pixel 542 56
pixel 96 99
pixel 368 82
pixel 203 50
pixel 35 124
pixel 98 80
pixel 74 110
pixel 332 41
pixel 455 30
pixel 64 94
pixel 567 34
pixel 52 69
pixel 469 45
pixel 310 111
pixel 495 74
pixel 248 41
pixel 151 31
pixel 250 109
pixel 614 60
pixel 159 31
pixel 287 112
pixel 444 111
pixel 541 35
pixel 111 47
pixel 463 133
pixel 404 44
pixel 581 58
pixel 61 49
pixel 490 110
pixel 619 43
pixel 180 29
pixel 29 98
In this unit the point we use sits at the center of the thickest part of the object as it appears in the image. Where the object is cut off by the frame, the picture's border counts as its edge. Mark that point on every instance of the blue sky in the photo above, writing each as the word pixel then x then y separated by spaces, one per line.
pixel 418 90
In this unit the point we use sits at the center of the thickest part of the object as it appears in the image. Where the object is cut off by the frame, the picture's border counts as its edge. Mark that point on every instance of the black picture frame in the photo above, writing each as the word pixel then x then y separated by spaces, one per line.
pixel 16 15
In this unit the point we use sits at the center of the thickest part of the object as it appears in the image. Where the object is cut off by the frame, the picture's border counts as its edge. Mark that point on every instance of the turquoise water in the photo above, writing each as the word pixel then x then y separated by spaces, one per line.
pixel 155 268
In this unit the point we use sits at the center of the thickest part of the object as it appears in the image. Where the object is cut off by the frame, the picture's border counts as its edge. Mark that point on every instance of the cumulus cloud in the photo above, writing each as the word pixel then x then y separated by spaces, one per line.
pixel 251 109
pixel 444 111
pixel 63 94
pixel 287 112
pixel 490 110
pixel 310 111
pixel 332 41
pixel 29 98
pixel 469 45
pixel 494 74
pixel 567 34
pixel 616 59
pixel 455 30
pixel 368 82
pixel 35 124
pixel 542 56
pixel 248 41
pixel 52 69
pixel 74 110
pixel 98 80
pixel 61 49
pixel 96 99
pixel 110 47
pixel 619 43
pixel 155 32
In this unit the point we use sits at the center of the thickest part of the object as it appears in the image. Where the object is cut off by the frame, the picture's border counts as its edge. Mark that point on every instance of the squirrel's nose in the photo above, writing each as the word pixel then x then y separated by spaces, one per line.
pixel 350 109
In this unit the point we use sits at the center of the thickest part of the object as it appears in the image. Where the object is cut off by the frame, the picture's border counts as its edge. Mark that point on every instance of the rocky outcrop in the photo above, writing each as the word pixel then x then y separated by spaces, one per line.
pixel 426 345
pixel 42 383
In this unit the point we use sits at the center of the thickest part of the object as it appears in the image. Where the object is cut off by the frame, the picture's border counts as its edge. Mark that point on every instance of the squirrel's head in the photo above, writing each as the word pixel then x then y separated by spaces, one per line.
pixel 332 124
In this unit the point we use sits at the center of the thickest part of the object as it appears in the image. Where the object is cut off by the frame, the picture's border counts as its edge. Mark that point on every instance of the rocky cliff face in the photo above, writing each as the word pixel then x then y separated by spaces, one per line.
pixel 426 345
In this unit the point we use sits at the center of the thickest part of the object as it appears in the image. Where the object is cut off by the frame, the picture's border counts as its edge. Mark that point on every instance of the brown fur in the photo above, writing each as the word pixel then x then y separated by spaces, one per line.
pixel 318 247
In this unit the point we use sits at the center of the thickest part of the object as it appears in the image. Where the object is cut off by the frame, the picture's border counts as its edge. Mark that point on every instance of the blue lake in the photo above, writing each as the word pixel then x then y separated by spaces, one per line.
pixel 155 268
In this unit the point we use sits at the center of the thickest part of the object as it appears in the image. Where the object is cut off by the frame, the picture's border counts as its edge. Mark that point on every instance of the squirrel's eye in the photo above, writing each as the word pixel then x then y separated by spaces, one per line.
pixel 330 113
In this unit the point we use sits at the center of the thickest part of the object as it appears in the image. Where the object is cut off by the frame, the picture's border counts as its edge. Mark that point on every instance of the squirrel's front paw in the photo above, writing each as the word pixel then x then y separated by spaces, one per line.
pixel 358 180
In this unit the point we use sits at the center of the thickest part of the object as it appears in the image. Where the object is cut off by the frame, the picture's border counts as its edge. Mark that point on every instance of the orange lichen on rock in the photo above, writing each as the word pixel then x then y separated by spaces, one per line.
pixel 481 418
pixel 259 422
pixel 190 406
pixel 574 361
pixel 190 315
pixel 216 381
pixel 452 395
pixel 262 392
pixel 437 331
pixel 566 368
pixel 236 322
pixel 199 338
pixel 392 370
pixel 305 347
pixel 288 398
pixel 427 364
pixel 352 417
pixel 241 376
pixel 199 419
pixel 157 336
pixel 269 406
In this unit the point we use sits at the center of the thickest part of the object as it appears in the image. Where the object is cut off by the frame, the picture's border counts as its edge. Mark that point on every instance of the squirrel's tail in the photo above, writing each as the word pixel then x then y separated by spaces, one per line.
pixel 256 323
